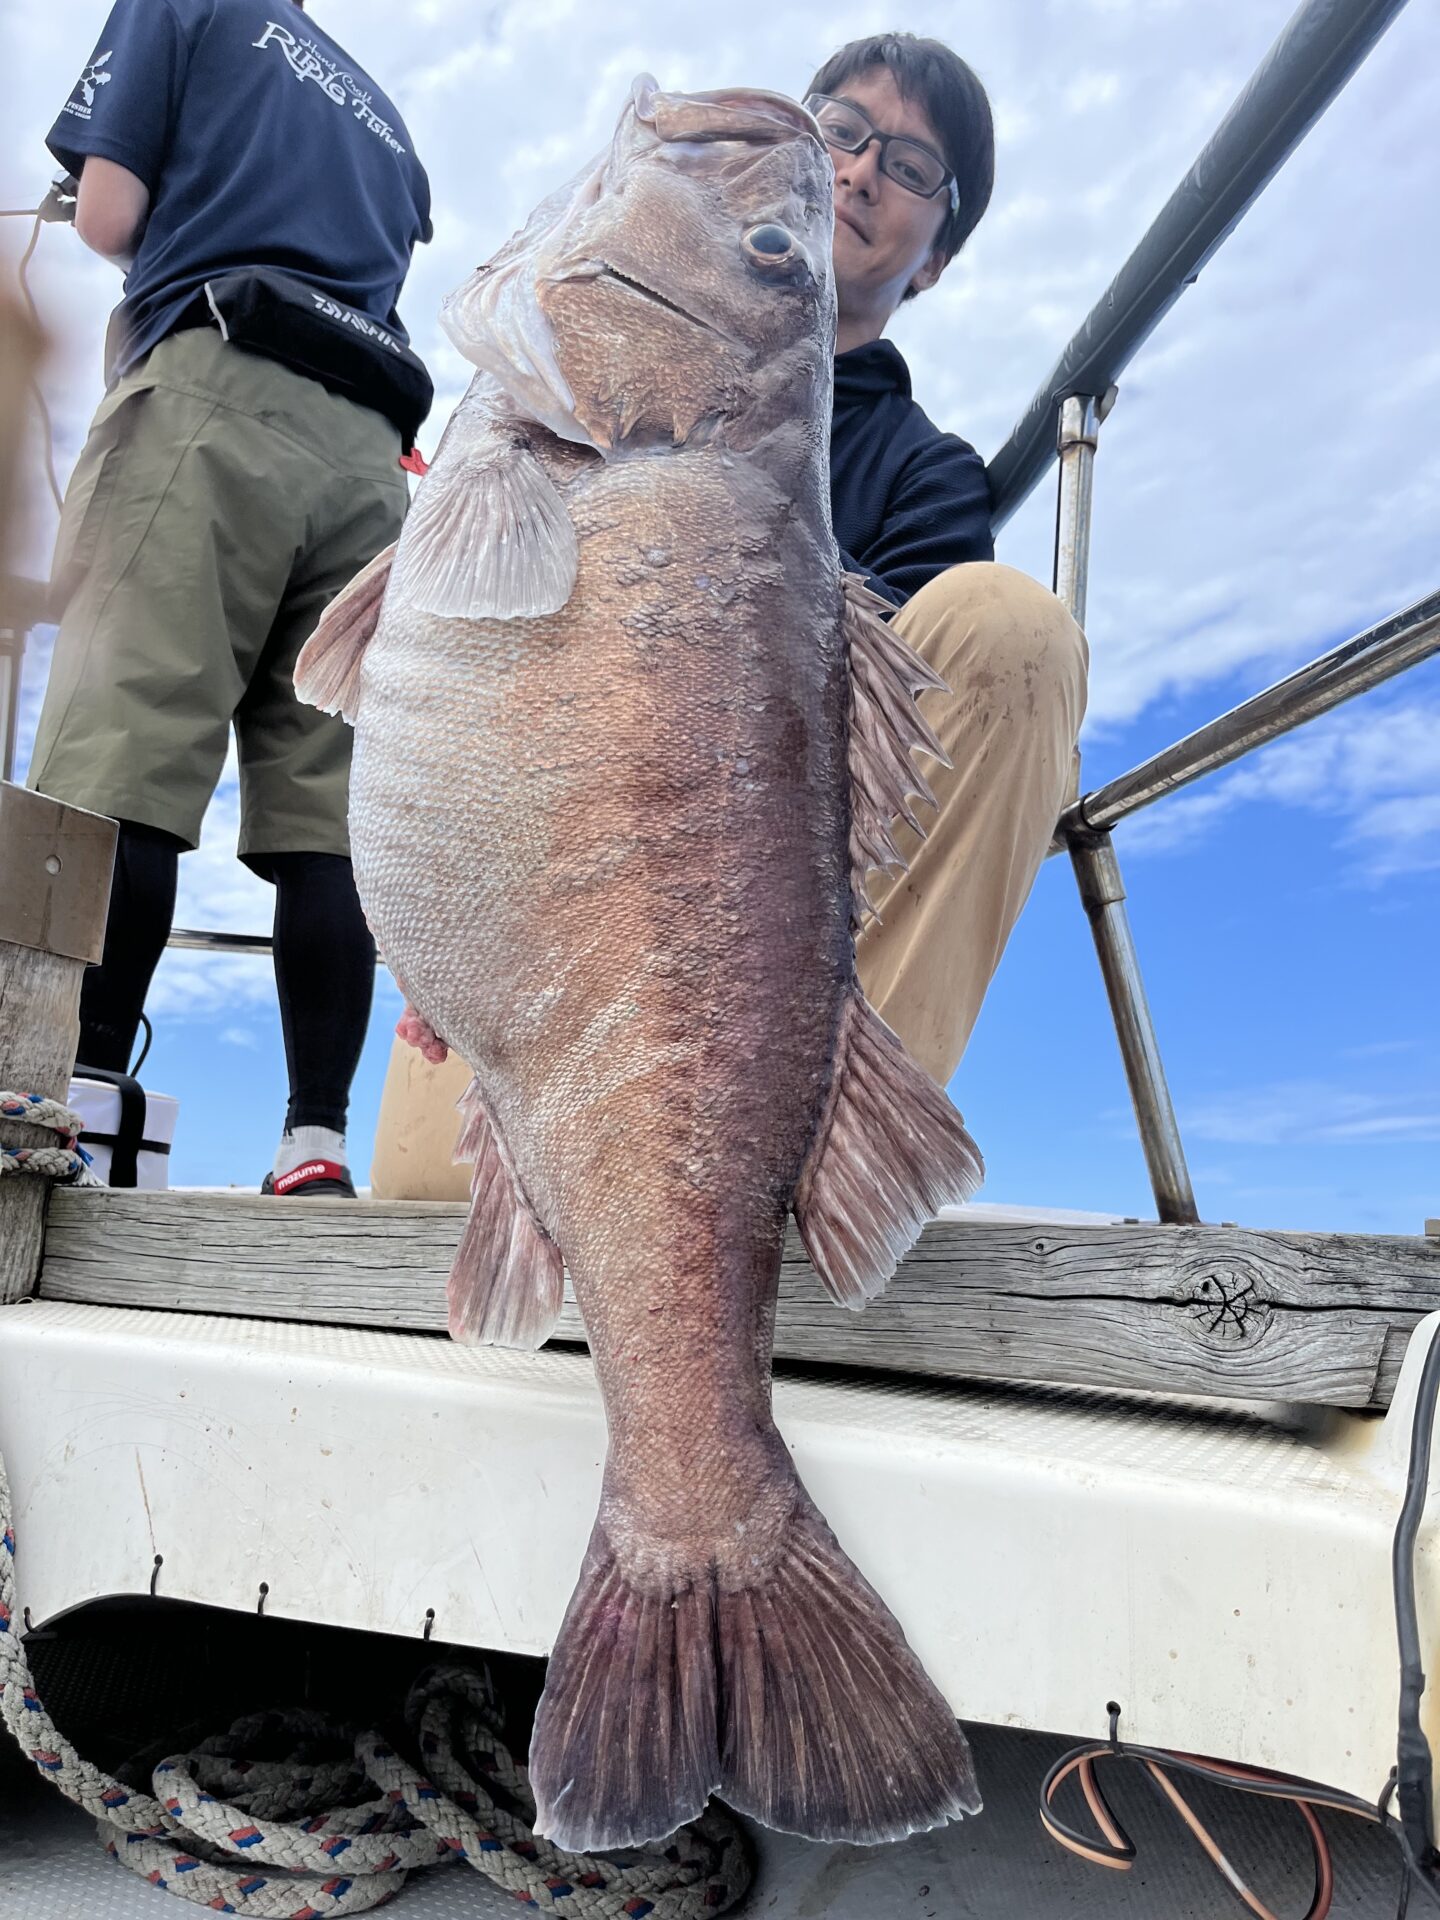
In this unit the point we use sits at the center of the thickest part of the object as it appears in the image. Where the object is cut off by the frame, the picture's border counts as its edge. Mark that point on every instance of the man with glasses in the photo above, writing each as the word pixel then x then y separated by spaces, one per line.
pixel 908 126
pixel 909 130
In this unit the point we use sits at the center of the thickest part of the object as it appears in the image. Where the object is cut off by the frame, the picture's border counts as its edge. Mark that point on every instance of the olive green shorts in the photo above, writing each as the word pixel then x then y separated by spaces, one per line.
pixel 220 502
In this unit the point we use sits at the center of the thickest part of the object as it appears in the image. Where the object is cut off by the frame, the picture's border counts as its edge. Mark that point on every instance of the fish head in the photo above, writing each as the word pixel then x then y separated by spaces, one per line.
pixel 679 283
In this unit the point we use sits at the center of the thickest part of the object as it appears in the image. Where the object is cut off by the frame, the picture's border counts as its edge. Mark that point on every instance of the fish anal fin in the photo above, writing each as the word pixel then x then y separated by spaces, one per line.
pixel 488 536
pixel 886 675
pixel 507 1282
pixel 889 1153
pixel 327 673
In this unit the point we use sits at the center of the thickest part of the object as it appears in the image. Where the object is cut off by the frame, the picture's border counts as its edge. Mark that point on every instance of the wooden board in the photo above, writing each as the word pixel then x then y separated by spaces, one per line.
pixel 1219 1311
pixel 54 888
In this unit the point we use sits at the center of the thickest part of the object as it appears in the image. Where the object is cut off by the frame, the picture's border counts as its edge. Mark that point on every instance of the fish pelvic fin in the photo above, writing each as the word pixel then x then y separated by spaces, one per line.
pixel 507 1283
pixel 798 1700
pixel 886 675
pixel 327 673
pixel 889 1153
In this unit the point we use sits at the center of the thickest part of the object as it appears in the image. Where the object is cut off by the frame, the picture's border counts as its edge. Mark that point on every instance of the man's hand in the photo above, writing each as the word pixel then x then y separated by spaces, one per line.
pixel 111 210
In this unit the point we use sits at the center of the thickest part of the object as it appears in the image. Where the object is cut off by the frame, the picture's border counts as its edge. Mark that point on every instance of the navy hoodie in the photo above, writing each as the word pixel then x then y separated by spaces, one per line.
pixel 907 500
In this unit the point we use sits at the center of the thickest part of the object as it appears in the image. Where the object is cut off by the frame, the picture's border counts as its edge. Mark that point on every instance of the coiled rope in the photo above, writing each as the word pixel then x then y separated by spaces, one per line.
pixel 334 1826
pixel 68 1163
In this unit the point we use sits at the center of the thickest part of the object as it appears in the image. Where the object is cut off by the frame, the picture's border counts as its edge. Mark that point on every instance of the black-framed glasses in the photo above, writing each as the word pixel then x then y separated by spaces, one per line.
pixel 909 163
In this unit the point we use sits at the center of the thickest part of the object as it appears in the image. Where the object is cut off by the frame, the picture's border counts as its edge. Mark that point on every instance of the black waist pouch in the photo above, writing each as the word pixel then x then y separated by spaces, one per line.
pixel 288 320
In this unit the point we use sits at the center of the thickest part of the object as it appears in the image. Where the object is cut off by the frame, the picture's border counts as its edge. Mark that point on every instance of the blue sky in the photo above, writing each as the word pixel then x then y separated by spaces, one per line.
pixel 1267 485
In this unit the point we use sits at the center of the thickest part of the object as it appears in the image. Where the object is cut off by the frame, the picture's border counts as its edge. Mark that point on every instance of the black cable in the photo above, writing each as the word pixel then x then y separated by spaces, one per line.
pixel 1413 1758
pixel 145 1050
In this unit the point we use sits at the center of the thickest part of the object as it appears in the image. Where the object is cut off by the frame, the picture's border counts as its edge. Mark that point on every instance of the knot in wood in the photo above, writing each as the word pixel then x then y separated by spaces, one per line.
pixel 1227 1304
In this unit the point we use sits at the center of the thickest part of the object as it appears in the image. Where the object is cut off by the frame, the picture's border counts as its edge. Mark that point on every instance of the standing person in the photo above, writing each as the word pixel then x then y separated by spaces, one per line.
pixel 909 130
pixel 264 198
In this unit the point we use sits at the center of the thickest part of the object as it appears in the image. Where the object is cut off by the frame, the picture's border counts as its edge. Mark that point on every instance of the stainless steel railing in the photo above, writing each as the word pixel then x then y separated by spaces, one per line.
pixel 1371 658
pixel 1319 48
pixel 1310 62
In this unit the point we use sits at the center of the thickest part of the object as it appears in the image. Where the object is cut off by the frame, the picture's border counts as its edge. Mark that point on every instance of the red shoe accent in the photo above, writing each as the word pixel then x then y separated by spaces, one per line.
pixel 307 1171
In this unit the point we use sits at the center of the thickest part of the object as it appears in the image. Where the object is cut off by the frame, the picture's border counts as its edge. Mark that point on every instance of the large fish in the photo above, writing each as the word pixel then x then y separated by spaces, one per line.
pixel 627 744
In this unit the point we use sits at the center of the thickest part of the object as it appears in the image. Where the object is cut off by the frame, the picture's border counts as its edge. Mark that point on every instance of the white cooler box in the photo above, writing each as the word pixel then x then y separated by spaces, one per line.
pixel 122 1115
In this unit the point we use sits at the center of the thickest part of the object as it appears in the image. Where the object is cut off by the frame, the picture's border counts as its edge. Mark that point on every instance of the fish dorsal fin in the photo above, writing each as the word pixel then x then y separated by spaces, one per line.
pixel 327 673
pixel 488 536
pixel 885 724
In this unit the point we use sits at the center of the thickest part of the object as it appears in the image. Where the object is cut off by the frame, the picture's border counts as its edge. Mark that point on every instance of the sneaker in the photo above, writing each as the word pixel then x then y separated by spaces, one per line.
pixel 311 1177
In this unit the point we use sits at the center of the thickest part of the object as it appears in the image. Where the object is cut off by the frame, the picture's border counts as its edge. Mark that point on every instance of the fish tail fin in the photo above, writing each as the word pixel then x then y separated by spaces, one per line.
pixel 832 1728
pixel 798 1700
pixel 626 1743
pixel 890 1152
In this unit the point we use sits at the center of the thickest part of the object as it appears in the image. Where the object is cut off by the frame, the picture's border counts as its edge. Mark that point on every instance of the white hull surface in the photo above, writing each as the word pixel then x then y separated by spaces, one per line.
pixel 1224 1576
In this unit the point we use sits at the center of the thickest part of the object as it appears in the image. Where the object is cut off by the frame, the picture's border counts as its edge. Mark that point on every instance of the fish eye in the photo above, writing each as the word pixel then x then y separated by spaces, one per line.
pixel 770 245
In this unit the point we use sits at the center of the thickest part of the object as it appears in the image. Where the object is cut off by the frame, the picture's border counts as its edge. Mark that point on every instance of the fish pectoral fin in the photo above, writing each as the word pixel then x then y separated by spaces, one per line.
pixel 886 674
pixel 327 673
pixel 488 537
pixel 890 1152
pixel 507 1283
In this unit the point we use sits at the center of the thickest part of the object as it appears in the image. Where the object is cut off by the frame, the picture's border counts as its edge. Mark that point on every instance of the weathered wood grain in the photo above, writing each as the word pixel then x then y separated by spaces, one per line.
pixel 1219 1311
pixel 54 889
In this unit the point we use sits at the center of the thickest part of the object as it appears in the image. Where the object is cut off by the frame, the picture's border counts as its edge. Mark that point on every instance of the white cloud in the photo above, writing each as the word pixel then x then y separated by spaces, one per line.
pixel 1305 1112
pixel 1091 89
pixel 1374 768
pixel 1267 482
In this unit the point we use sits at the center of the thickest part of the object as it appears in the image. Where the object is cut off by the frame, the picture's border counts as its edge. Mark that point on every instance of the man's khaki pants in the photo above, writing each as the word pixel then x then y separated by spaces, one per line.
pixel 1016 663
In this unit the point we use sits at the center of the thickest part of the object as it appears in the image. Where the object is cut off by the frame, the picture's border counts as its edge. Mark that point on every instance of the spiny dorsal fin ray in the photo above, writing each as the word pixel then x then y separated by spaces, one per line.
pixel 886 675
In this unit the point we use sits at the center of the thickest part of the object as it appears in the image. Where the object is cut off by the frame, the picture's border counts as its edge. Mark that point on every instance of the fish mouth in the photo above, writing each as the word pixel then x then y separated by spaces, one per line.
pixel 642 292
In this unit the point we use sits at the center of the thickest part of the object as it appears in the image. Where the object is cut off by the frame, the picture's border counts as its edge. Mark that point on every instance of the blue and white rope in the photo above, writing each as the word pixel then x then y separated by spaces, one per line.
pixel 68 1163
pixel 328 1832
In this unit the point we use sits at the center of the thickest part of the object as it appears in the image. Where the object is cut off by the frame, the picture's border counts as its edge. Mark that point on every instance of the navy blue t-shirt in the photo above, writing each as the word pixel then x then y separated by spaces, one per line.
pixel 262 144
pixel 907 500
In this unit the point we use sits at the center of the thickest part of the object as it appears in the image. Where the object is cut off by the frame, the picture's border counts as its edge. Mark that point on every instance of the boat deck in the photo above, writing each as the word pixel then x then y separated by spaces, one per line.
pixel 51 1867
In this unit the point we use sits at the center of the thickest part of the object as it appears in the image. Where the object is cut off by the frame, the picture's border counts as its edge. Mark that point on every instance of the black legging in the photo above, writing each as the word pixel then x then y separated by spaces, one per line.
pixel 324 966
pixel 325 975
pixel 142 907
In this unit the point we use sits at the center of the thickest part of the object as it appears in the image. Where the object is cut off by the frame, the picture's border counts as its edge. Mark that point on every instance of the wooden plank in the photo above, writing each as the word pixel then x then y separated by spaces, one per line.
pixel 55 863
pixel 1218 1311
pixel 54 886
